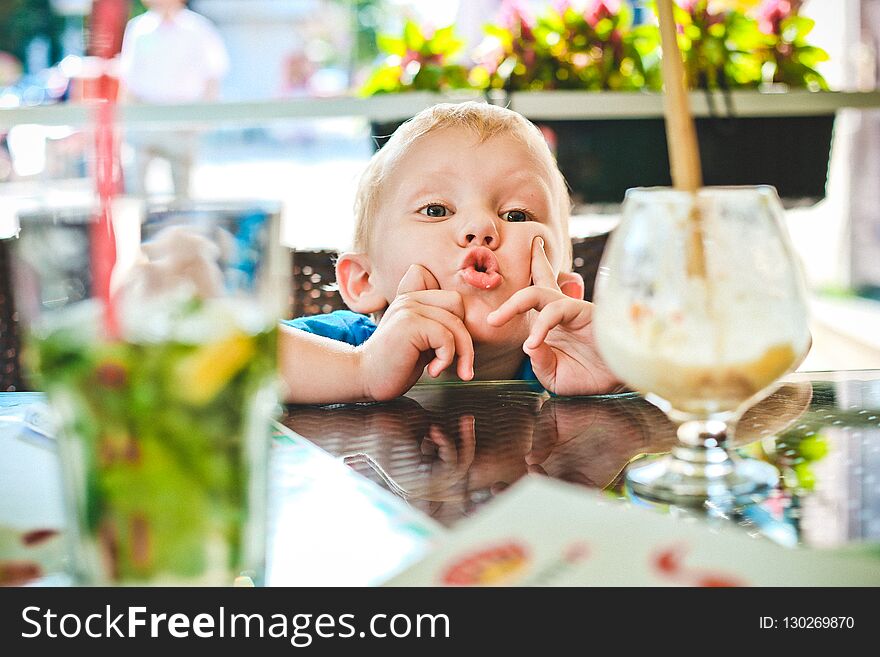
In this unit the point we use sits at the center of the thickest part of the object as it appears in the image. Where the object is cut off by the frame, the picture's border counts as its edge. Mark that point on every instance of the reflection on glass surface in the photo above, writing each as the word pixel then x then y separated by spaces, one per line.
pixel 449 448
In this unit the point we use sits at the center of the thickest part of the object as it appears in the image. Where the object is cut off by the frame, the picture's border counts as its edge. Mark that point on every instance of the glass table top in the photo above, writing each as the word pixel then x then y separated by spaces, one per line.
pixel 447 449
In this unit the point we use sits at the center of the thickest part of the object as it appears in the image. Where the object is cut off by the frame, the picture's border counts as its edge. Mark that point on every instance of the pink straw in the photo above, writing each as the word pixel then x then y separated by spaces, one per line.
pixel 107 27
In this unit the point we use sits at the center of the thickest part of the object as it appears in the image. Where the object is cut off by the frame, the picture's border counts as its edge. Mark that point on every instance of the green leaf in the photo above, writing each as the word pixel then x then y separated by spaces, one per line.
pixel 811 55
pixel 796 27
pixel 385 79
pixel 552 21
pixel 443 42
pixel 498 32
pixel 479 77
pixel 428 78
pixel 682 17
pixel 391 45
pixel 412 36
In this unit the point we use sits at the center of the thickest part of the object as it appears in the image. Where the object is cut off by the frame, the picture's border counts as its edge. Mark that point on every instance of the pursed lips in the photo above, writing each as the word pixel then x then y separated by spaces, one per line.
pixel 479 269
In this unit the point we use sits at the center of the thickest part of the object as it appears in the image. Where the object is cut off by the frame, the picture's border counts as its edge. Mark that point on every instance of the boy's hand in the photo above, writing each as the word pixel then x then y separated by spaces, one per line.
pixel 423 326
pixel 560 343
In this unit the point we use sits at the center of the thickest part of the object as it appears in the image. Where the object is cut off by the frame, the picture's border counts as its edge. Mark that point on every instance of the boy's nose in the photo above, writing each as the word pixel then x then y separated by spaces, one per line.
pixel 480 232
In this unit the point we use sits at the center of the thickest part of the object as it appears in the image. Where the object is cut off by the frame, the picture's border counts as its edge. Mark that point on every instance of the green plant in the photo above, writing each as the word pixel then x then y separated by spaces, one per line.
pixel 746 44
pixel 566 48
pixel 596 46
pixel 721 47
pixel 417 60
pixel 791 60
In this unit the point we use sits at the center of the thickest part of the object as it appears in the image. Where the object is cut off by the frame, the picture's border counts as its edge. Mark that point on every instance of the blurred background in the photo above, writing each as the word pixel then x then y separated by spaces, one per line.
pixel 307 85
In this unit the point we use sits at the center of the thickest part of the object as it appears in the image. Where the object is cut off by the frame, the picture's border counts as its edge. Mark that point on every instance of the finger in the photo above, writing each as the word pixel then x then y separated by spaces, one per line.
pixel 543 362
pixel 433 335
pixel 567 312
pixel 428 447
pixel 545 435
pixel 526 299
pixel 467 431
pixel 417 278
pixel 464 344
pixel 446 450
pixel 446 299
pixel 542 270
pixel 459 454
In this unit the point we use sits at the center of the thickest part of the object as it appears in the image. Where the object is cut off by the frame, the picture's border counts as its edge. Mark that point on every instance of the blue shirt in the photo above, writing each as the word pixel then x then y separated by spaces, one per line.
pixel 355 329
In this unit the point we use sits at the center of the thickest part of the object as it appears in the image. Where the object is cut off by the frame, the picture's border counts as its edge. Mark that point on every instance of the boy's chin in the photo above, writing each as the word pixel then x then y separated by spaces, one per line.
pixel 516 330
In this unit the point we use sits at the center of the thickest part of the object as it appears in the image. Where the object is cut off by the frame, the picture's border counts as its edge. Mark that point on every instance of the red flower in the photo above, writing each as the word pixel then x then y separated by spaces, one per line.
pixel 699 11
pixel 601 9
pixel 773 12
pixel 517 17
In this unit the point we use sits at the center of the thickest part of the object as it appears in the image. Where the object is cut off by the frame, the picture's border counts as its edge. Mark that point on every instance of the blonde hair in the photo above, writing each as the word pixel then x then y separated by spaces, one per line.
pixel 485 121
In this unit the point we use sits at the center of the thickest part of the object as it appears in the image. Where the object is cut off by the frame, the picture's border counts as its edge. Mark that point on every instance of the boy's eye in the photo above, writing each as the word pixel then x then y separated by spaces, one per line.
pixel 435 210
pixel 515 215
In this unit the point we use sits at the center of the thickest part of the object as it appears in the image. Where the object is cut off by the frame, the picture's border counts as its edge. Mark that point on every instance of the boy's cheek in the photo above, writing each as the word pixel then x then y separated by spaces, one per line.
pixel 523 244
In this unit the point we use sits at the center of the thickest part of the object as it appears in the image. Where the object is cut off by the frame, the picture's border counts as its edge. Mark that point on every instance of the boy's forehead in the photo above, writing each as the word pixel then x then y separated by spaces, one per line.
pixel 458 152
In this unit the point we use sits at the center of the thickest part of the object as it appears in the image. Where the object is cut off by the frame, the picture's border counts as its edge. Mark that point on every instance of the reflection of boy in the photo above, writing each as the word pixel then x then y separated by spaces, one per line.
pixel 461 236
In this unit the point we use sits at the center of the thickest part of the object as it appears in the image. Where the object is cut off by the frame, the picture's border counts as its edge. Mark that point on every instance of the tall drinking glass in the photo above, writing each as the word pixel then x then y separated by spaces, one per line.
pixel 700 305
pixel 165 421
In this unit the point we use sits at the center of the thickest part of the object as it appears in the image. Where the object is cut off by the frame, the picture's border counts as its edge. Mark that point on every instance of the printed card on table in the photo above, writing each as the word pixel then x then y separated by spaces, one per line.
pixel 547 533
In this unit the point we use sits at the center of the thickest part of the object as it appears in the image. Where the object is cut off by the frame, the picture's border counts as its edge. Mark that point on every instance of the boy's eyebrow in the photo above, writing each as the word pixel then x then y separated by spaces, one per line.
pixel 528 182
pixel 430 183
pixel 434 179
pixel 520 175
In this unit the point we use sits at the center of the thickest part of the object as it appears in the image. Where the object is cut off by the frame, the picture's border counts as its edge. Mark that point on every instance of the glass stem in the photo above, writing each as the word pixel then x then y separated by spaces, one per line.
pixel 701 451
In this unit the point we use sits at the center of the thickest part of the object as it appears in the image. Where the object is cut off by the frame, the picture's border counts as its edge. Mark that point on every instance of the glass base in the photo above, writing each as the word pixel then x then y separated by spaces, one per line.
pixel 663 479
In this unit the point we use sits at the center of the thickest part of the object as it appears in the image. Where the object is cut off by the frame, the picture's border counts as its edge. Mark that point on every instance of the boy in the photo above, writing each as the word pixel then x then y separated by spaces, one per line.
pixel 461 235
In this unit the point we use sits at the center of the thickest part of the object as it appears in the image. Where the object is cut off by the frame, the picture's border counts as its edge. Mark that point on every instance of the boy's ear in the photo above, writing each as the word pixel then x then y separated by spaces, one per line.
pixel 571 283
pixel 353 271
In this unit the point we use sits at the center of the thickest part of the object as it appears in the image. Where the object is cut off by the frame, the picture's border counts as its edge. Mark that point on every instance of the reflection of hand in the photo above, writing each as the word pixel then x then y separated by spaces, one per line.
pixel 773 414
pixel 422 326
pixel 177 257
pixel 447 461
pixel 504 419
pixel 590 441
pixel 561 344
pixel 383 430
pixel 420 457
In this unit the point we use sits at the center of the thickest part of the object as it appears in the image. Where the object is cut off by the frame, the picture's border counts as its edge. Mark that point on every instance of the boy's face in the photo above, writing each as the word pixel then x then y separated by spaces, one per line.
pixel 468 212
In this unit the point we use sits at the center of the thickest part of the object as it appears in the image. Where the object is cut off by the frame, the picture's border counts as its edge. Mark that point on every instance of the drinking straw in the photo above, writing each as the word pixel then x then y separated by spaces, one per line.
pixel 681 133
pixel 108 21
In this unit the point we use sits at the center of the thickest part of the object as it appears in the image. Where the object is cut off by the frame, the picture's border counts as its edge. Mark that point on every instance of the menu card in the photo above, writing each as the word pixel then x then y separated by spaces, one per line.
pixel 543 532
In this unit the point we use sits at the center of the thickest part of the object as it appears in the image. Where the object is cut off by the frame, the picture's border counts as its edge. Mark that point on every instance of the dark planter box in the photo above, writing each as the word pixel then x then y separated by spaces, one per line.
pixel 602 158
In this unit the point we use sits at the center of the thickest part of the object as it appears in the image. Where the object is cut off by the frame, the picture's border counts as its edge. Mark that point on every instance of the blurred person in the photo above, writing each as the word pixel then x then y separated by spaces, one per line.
pixel 170 54
pixel 298 72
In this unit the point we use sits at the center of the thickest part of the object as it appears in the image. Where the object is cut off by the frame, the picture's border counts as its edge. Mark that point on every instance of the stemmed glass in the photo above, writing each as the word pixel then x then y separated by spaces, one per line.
pixel 700 305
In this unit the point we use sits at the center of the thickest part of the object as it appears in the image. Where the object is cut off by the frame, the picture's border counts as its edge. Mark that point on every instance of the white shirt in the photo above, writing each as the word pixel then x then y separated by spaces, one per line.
pixel 171 61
